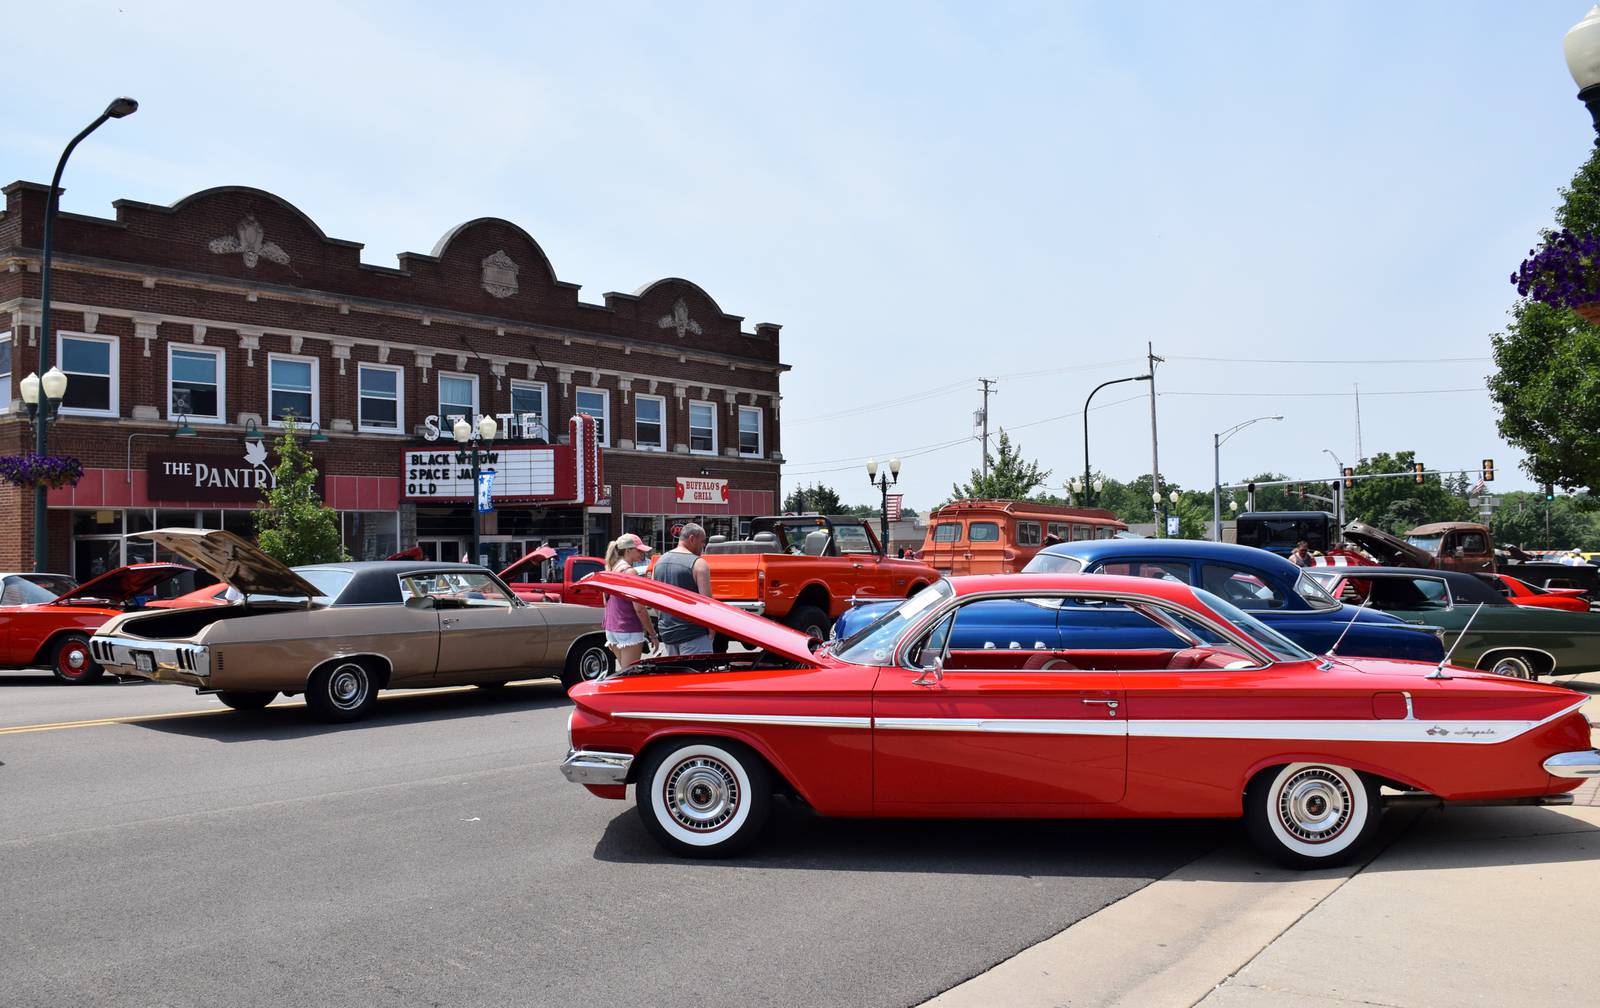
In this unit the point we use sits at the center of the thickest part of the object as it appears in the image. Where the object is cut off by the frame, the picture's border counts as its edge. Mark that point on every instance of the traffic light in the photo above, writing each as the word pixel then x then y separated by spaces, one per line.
pixel 1349 480
pixel 1488 470
pixel 1549 492
pixel 1418 468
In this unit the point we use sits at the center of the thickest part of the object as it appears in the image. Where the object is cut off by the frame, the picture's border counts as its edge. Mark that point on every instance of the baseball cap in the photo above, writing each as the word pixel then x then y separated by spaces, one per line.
pixel 628 540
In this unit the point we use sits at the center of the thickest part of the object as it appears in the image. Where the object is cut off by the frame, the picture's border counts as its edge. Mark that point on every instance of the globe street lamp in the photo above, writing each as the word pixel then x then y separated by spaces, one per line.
pixel 889 477
pixel 477 440
pixel 1086 402
pixel 1216 469
pixel 116 110
pixel 1582 49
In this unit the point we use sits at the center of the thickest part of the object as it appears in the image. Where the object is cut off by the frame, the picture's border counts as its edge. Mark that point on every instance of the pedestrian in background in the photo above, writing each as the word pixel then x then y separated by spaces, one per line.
pixel 684 567
pixel 1301 556
pixel 627 623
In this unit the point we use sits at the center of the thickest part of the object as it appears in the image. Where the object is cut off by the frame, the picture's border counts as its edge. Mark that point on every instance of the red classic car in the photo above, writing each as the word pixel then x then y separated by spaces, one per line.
pixel 539 577
pixel 56 633
pixel 1522 593
pixel 1231 719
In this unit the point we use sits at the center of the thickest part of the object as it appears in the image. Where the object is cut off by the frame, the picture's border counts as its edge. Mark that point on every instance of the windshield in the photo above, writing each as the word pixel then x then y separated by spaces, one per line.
pixel 1053 563
pixel 874 643
pixel 1426 542
pixel 1316 596
pixel 1281 647
pixel 33 589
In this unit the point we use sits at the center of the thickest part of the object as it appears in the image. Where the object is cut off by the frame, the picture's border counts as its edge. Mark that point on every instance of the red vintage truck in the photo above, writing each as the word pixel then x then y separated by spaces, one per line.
pixel 804 570
pixel 540 577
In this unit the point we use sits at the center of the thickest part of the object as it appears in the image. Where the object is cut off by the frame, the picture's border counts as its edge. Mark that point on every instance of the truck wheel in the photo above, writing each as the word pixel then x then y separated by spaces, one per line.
pixel 810 620
pixel 71 663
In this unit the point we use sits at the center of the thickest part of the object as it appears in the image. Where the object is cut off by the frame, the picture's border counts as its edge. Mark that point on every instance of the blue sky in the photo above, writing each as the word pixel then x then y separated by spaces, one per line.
pixel 921 194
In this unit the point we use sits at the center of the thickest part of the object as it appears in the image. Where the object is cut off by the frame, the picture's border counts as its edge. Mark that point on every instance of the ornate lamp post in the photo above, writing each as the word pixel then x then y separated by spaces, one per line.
pixel 1582 49
pixel 42 398
pixel 477 440
pixel 119 108
pixel 1115 381
pixel 1216 468
pixel 889 477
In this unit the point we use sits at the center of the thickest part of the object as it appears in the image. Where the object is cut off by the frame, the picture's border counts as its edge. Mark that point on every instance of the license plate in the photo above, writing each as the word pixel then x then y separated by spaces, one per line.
pixel 144 661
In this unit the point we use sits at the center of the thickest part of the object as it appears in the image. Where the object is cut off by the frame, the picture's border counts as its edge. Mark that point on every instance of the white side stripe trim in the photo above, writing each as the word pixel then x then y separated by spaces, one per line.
pixel 1485 732
pixel 820 721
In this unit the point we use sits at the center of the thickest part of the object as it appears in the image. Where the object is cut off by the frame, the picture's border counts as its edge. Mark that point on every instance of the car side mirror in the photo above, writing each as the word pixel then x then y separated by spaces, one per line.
pixel 936 670
pixel 420 602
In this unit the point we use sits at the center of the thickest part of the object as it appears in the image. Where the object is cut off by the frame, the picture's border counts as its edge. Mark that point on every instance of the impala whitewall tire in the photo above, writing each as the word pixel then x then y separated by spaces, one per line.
pixel 1311 815
pixel 703 798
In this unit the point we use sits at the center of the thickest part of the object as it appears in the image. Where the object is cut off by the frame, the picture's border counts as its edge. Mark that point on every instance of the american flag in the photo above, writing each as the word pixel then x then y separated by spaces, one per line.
pixel 1478 489
pixel 892 508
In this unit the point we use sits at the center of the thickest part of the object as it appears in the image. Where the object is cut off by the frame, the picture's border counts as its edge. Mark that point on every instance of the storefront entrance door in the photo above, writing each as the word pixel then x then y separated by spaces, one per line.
pixel 444 550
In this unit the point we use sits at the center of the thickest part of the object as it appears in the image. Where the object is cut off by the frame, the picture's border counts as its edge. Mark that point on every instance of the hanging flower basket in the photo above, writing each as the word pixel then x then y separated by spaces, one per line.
pixel 1564 273
pixel 32 470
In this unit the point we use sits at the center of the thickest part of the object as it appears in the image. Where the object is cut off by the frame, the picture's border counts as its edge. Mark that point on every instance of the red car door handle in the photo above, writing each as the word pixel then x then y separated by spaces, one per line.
pixel 1110 705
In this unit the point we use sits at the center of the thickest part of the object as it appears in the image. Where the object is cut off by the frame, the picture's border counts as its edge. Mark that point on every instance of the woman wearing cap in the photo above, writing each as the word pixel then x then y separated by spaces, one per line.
pixel 627 623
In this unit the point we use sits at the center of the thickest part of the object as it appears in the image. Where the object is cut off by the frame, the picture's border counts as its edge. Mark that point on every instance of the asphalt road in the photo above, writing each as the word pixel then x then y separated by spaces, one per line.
pixel 433 855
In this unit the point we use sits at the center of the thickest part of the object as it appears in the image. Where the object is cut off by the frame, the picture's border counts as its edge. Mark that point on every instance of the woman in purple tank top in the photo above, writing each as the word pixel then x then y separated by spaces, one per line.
pixel 627 624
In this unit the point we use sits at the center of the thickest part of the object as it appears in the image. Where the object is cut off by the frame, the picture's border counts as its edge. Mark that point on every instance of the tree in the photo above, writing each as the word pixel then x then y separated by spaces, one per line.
pixel 1011 477
pixel 1546 384
pixel 1520 521
pixel 293 526
pixel 1400 503
pixel 821 499
pixel 1267 498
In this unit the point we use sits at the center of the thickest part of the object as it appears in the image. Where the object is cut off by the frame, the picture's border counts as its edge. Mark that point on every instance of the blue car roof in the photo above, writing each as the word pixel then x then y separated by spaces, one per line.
pixel 1090 550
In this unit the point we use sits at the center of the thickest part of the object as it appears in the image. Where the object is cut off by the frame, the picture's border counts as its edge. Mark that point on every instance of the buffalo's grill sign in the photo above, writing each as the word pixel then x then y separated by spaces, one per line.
pixel 242 477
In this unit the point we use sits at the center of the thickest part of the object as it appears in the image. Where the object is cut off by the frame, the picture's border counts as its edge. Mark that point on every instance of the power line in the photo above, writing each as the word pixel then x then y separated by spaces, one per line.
pixel 1323 395
pixel 905 400
pixel 1340 360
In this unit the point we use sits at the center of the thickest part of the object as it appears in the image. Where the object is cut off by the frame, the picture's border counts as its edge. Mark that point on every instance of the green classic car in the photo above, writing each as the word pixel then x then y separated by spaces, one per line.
pixel 1500 637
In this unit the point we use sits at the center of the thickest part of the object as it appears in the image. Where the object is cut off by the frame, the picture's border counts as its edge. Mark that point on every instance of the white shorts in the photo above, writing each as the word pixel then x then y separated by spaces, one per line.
pixel 623 638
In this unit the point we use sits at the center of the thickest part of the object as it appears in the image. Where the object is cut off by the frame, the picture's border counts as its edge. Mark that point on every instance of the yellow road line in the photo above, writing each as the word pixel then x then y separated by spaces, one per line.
pixel 141 718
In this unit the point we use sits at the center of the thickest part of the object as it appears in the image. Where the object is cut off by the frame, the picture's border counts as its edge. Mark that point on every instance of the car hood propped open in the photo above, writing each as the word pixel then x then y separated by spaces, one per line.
pixel 120 585
pixel 1385 548
pixel 719 617
pixel 230 559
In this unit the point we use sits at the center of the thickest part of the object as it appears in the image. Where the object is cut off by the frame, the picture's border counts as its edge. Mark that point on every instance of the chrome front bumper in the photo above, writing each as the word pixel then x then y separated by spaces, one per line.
pixel 585 766
pixel 1583 763
pixel 168 660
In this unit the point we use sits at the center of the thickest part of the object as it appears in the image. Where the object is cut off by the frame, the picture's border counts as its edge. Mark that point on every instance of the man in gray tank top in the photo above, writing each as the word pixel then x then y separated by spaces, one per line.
pixel 683 566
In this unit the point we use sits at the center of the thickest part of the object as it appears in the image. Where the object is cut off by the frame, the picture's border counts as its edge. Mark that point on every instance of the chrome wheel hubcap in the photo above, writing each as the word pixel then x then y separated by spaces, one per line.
pixel 1314 805
pixel 348 685
pixel 593 664
pixel 702 794
pixel 75 659
pixel 1516 668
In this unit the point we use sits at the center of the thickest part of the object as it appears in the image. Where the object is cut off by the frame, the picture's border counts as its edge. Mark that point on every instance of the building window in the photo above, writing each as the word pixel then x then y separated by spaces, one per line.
pixel 195 378
pixel 702 428
pixel 382 395
pixel 458 397
pixel 750 431
pixel 5 371
pixel 649 423
pixel 597 403
pixel 292 389
pixel 91 366
pixel 370 535
pixel 529 397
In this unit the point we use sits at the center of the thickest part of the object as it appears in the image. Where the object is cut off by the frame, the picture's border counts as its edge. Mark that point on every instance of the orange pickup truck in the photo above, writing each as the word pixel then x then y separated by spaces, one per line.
pixel 804 570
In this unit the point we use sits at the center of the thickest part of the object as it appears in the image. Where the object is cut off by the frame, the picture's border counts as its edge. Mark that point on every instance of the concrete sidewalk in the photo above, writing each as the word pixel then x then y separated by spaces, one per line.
pixel 1459 906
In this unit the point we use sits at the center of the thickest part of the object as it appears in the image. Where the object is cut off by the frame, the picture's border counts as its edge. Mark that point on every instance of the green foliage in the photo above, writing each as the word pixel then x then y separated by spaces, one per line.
pixel 1400 504
pixel 293 526
pixel 1011 477
pixel 1546 383
pixel 821 499
pixel 1520 521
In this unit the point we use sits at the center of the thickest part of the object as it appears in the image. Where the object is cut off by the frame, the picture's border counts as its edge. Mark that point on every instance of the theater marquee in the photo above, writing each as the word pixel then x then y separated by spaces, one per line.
pixel 546 474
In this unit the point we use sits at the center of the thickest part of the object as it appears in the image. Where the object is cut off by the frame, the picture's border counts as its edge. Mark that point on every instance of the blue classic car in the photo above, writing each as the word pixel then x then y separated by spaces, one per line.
pixel 1267 586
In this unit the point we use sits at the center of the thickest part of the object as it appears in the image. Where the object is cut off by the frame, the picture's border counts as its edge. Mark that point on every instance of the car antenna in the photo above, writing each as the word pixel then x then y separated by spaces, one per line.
pixel 1347 626
pixel 1438 673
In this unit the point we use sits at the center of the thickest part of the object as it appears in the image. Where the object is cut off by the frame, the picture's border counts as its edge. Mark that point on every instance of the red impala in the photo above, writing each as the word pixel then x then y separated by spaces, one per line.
pixel 56 633
pixel 1229 719
pixel 1521 593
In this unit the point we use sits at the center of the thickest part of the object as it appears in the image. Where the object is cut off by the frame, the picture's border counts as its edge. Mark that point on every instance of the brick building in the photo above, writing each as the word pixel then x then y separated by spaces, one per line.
pixel 231 310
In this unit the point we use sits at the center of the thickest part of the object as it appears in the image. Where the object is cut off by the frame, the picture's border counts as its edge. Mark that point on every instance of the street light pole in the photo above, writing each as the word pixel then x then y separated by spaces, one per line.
pixel 484 434
pixel 119 108
pixel 1087 486
pixel 889 477
pixel 1217 441
pixel 1338 491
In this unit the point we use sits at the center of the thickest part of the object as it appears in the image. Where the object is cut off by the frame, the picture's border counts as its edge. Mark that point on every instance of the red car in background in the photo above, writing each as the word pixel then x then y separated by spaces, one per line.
pixel 55 634
pixel 1524 594
pixel 219 594
pixel 536 578
pixel 1225 718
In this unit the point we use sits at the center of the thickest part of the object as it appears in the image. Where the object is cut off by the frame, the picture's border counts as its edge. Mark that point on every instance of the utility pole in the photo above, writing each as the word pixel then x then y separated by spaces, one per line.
pixel 1155 462
pixel 1359 455
pixel 986 387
